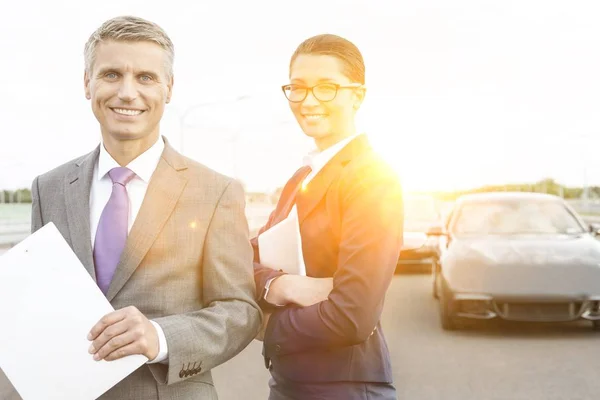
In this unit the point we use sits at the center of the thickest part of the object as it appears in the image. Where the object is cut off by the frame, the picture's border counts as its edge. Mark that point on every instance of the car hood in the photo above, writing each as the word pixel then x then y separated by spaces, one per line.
pixel 526 250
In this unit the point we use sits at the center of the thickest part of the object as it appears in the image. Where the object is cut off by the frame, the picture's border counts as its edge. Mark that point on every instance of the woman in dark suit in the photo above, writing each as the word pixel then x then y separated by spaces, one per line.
pixel 322 334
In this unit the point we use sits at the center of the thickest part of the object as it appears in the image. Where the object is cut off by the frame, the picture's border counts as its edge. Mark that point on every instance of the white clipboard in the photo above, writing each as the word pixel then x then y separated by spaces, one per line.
pixel 280 247
pixel 48 304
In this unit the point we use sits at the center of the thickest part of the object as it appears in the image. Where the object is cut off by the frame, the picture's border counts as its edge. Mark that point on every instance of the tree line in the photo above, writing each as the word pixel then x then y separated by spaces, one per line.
pixel 544 186
pixel 15 196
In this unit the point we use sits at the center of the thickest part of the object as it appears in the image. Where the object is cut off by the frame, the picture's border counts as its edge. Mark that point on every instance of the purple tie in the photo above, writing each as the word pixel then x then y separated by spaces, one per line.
pixel 112 228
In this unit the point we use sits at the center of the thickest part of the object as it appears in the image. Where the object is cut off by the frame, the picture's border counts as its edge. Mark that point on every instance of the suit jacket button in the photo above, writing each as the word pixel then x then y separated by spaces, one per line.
pixel 277 348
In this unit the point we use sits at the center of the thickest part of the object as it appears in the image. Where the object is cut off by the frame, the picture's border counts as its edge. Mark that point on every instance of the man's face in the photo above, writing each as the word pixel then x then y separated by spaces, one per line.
pixel 128 86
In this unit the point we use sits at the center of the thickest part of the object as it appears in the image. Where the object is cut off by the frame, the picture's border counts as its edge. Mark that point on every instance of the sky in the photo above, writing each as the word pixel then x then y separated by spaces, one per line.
pixel 460 93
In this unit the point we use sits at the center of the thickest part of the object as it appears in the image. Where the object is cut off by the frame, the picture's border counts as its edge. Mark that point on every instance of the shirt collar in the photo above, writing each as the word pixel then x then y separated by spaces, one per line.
pixel 143 166
pixel 317 160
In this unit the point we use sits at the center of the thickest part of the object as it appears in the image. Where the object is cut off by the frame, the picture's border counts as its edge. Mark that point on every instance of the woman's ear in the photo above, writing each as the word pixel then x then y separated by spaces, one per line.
pixel 359 97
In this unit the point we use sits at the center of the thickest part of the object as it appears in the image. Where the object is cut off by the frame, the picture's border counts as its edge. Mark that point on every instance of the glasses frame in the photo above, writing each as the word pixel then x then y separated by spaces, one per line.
pixel 312 90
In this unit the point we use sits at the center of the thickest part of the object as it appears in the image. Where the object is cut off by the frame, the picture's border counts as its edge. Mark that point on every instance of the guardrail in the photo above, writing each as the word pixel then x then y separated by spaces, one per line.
pixel 12 232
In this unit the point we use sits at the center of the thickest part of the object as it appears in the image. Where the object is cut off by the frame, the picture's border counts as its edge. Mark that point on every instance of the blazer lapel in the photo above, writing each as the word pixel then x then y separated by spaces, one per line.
pixel 77 200
pixel 310 196
pixel 288 196
pixel 165 188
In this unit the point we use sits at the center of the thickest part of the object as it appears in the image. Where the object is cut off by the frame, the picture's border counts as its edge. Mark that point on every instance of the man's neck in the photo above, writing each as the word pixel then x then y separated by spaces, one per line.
pixel 125 151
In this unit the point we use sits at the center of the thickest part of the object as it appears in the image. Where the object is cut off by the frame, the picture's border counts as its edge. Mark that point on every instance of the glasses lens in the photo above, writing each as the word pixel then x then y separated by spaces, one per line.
pixel 295 93
pixel 325 92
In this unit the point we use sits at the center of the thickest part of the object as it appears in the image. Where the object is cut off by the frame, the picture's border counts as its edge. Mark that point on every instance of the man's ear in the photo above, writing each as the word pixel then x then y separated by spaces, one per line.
pixel 86 85
pixel 170 88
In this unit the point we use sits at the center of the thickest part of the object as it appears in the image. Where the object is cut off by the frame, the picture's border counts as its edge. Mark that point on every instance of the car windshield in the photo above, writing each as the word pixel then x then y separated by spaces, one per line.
pixel 515 217
pixel 420 212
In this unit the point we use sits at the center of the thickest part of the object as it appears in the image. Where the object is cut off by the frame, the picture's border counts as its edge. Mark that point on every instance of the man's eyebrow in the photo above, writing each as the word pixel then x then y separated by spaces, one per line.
pixel 108 68
pixel 150 73
pixel 105 69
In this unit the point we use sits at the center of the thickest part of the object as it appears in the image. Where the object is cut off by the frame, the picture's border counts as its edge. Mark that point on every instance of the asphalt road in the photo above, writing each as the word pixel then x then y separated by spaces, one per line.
pixel 508 361
pixel 485 361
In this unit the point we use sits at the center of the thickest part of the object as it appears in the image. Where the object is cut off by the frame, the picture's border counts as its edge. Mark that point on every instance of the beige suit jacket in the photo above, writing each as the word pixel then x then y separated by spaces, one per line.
pixel 187 265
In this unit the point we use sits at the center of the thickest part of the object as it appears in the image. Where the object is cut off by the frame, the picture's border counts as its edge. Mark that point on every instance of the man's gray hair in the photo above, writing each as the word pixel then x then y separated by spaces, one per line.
pixel 129 29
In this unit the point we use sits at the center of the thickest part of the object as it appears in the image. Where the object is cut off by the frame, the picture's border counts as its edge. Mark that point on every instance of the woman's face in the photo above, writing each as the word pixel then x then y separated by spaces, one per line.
pixel 327 122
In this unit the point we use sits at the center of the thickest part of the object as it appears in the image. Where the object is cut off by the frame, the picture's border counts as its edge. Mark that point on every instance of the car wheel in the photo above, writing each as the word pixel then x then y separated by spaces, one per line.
pixel 447 317
pixel 399 267
pixel 596 325
pixel 432 266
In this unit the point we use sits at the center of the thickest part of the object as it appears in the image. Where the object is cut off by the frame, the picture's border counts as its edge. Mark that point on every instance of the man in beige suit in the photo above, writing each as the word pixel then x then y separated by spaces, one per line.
pixel 164 237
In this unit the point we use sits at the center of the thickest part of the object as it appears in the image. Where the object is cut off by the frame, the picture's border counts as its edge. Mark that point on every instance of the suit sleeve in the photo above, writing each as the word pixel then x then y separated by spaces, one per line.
pixel 232 318
pixel 36 211
pixel 370 243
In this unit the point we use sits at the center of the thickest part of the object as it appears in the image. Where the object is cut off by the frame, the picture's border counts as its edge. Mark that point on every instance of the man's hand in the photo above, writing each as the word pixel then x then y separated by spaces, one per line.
pixel 261 334
pixel 302 290
pixel 122 333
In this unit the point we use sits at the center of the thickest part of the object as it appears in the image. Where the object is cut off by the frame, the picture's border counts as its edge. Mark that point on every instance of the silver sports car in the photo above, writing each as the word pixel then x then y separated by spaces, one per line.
pixel 517 256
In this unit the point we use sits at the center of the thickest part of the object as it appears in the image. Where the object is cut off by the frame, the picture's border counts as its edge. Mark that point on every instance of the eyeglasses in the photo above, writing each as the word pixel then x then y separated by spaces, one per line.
pixel 322 91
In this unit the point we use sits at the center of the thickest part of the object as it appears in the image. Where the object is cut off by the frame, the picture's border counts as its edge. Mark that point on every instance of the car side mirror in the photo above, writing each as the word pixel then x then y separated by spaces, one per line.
pixel 435 230
pixel 595 228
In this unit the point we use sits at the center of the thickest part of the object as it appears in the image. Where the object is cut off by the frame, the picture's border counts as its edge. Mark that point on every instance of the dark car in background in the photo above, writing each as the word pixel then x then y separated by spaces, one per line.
pixel 421 212
pixel 519 257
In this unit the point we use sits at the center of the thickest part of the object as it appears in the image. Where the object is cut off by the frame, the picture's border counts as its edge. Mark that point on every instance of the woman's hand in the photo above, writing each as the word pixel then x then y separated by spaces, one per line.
pixel 301 290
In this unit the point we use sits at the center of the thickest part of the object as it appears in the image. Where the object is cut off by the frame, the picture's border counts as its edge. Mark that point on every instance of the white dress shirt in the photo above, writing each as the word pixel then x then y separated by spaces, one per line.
pixel 316 160
pixel 143 167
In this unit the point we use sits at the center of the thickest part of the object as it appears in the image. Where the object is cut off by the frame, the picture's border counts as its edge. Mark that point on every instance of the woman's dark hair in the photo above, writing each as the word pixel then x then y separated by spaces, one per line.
pixel 336 46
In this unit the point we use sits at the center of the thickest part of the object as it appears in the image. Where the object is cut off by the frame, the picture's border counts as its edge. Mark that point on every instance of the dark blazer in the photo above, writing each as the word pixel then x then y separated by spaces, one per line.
pixel 351 219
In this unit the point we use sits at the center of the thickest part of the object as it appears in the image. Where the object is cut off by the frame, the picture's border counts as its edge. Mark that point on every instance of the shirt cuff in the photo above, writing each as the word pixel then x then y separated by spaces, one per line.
pixel 267 287
pixel 163 351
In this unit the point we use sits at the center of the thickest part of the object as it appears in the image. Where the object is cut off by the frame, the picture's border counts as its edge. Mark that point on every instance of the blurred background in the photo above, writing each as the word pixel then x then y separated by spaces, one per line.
pixel 463 96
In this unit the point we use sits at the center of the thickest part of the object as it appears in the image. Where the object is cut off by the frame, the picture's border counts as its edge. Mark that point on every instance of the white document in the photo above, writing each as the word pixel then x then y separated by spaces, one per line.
pixel 48 304
pixel 280 247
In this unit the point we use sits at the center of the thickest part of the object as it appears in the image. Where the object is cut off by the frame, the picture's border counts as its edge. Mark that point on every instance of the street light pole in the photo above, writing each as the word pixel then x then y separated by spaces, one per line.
pixel 194 107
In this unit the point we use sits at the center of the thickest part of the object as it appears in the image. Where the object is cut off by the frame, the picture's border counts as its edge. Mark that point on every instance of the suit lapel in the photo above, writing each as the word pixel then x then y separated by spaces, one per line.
pixel 288 196
pixel 77 200
pixel 310 196
pixel 165 188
